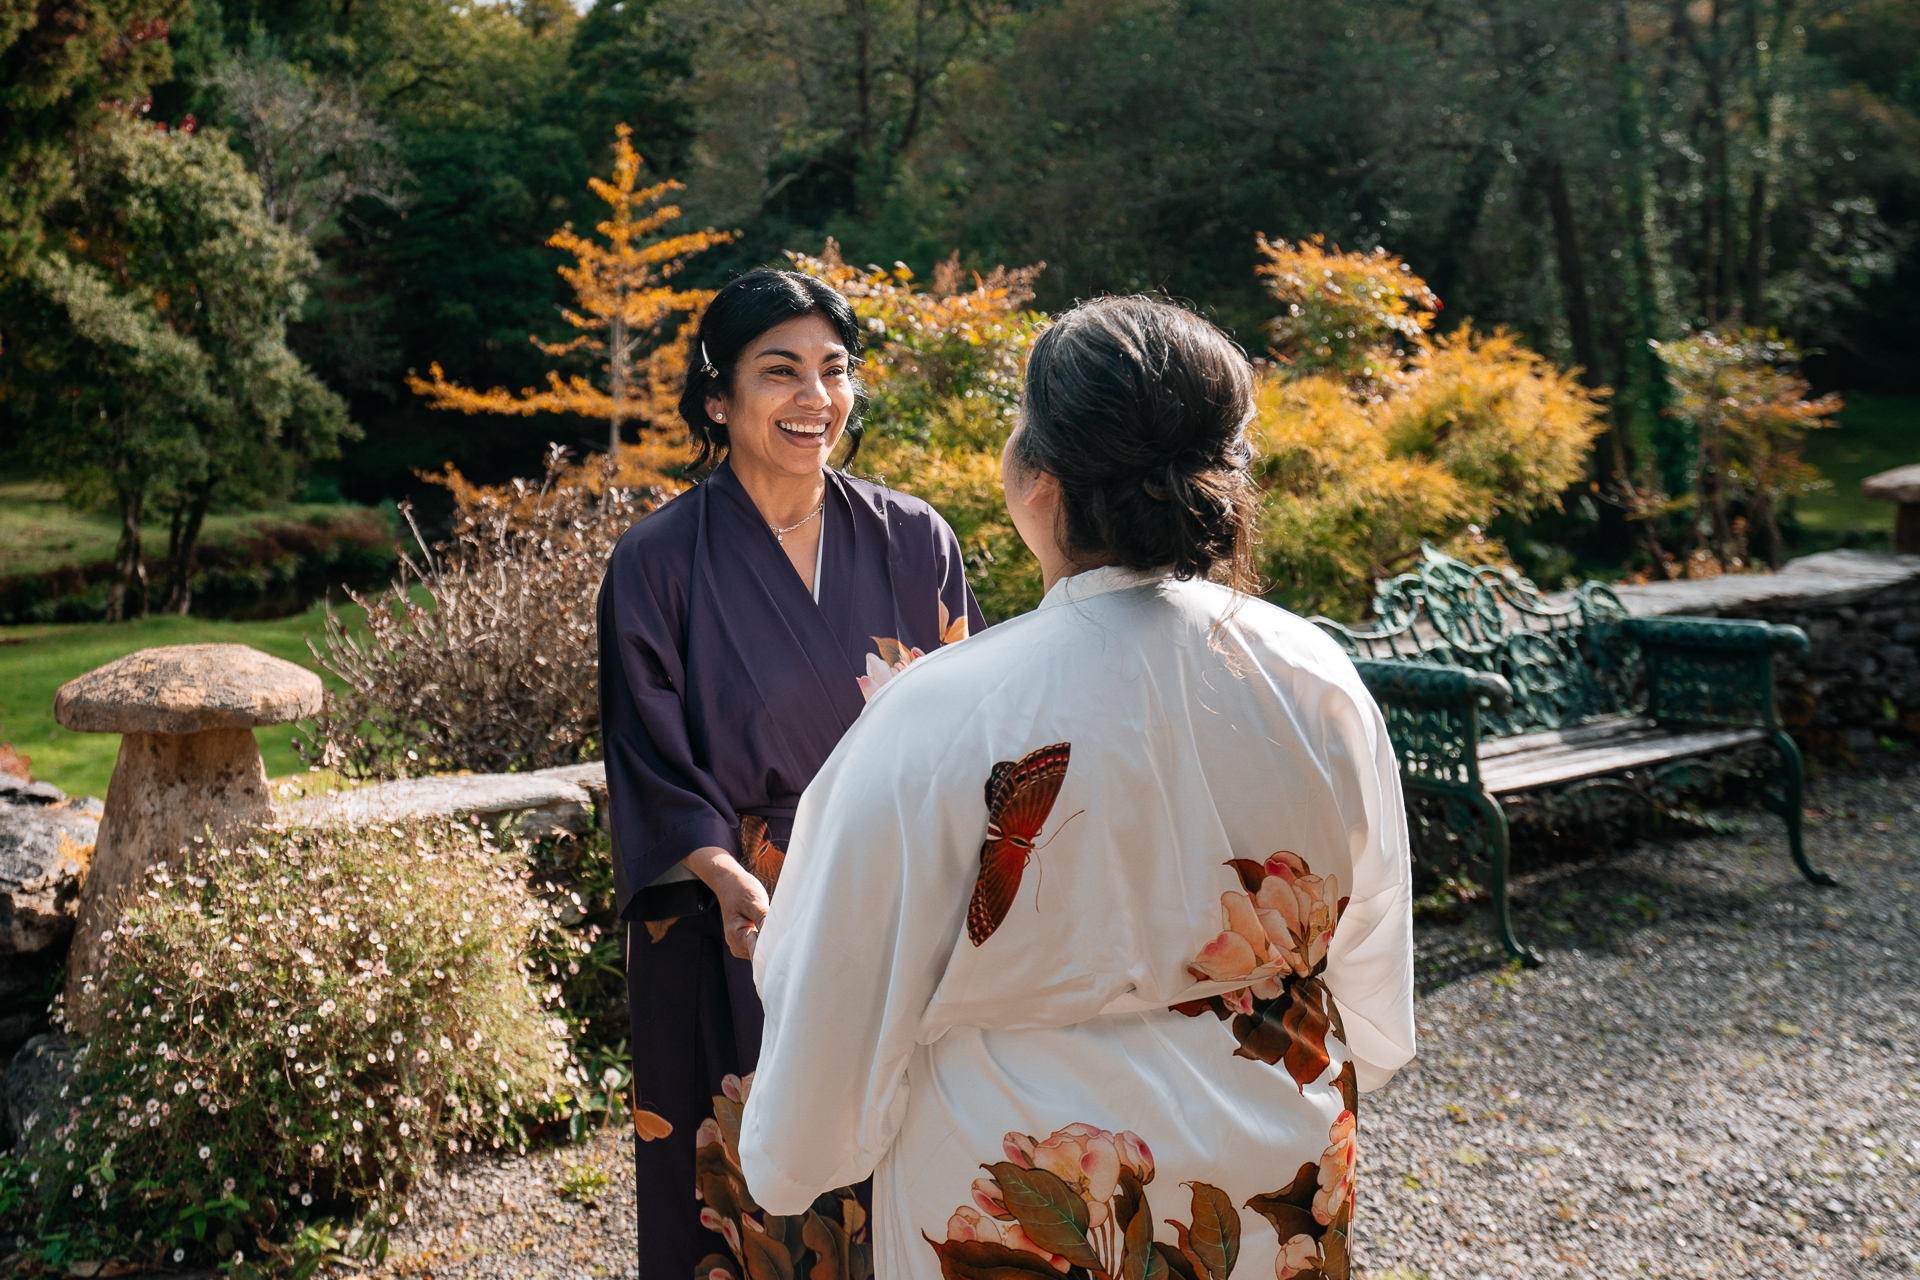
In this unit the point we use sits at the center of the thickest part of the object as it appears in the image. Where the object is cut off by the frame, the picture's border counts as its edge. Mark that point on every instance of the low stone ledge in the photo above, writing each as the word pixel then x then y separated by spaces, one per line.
pixel 1827 580
pixel 547 802
pixel 1861 612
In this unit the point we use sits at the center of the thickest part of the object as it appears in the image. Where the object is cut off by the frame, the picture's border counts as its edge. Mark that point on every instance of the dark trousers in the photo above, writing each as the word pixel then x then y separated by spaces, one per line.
pixel 696 1018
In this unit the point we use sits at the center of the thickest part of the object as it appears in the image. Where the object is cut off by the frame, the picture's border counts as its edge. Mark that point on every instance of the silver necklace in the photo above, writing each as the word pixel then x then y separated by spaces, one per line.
pixel 780 535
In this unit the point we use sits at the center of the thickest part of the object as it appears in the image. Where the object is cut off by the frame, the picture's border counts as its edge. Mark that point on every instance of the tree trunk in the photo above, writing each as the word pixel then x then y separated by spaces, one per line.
pixel 1463 220
pixel 617 346
pixel 1753 307
pixel 1613 460
pixel 127 597
pixel 183 544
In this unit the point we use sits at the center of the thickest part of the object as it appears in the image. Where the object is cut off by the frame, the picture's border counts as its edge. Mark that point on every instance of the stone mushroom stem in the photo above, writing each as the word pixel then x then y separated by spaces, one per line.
pixel 168 790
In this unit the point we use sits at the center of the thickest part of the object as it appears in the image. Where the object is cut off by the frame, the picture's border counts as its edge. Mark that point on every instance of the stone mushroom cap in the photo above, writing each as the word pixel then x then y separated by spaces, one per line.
pixel 187 688
pixel 1902 484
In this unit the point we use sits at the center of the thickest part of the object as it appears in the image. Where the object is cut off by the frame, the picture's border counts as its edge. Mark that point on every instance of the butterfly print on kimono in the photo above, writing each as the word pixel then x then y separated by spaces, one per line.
pixel 1020 796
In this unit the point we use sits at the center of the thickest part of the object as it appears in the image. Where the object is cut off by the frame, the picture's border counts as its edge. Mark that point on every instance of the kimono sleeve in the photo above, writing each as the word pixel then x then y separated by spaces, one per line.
pixel 956 594
pixel 1370 960
pixel 872 899
pixel 665 804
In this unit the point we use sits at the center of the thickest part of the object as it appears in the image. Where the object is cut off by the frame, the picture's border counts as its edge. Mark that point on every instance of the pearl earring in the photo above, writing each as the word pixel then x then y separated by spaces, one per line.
pixel 719 417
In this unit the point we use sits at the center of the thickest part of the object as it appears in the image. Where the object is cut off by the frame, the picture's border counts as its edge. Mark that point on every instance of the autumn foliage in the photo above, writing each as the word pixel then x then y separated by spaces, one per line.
pixel 1375 435
pixel 1749 407
pixel 626 306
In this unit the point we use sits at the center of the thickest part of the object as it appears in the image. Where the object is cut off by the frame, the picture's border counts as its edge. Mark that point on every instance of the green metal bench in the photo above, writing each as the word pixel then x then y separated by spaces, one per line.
pixel 1490 691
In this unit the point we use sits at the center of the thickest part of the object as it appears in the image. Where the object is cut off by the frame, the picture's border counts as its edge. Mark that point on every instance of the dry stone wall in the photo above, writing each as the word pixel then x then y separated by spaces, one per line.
pixel 1861 612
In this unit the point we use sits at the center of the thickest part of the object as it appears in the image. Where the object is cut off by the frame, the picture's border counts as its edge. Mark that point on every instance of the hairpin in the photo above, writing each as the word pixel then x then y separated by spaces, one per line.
pixel 706 362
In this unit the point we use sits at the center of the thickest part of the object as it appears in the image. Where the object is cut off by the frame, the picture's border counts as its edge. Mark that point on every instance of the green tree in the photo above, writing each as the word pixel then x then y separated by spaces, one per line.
pixel 59 60
pixel 148 351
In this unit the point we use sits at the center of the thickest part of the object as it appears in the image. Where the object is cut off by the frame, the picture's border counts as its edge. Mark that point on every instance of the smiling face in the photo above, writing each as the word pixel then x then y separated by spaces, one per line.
pixel 792 391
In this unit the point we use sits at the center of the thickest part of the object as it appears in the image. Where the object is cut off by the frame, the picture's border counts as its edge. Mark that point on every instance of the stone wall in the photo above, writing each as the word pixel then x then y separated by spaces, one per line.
pixel 1861 613
pixel 46 838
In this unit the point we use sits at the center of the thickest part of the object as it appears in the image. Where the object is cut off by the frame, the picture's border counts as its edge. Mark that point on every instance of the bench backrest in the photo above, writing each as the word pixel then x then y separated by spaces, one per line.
pixel 1567 663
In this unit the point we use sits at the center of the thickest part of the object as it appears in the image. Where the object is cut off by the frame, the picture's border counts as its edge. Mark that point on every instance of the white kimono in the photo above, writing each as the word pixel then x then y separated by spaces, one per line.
pixel 991 1031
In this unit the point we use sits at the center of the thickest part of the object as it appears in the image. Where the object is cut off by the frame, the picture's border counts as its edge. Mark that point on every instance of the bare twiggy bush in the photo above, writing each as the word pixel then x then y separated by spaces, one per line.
pixel 481 654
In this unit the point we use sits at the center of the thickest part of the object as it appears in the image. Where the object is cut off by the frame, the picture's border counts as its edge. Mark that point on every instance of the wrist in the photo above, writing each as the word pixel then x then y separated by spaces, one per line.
pixel 715 866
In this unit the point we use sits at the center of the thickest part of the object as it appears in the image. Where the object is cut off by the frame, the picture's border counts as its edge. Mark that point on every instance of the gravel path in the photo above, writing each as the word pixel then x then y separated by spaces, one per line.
pixel 1713 1075
pixel 554 1215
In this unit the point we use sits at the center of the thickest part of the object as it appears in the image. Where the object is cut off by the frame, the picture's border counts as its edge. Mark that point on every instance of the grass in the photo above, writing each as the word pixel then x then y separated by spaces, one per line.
pixel 36 660
pixel 1875 433
pixel 39 532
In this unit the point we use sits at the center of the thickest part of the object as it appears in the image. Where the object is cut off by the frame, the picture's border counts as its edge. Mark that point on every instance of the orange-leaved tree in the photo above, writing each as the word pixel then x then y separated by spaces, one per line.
pixel 1750 408
pixel 1352 316
pixel 626 302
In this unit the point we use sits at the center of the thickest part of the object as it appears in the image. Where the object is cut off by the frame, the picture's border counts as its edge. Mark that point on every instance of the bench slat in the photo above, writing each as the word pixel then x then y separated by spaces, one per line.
pixel 1525 771
pixel 1583 735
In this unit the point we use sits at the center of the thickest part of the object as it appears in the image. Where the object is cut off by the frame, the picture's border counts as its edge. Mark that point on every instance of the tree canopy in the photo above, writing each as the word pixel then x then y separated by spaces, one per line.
pixel 1593 176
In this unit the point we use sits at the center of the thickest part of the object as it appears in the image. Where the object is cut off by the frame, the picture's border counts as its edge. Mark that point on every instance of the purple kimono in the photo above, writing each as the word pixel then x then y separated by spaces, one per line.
pixel 723 688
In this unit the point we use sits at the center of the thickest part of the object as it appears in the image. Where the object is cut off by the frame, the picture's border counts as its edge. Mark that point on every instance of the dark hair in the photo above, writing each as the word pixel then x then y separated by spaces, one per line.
pixel 745 308
pixel 1139 408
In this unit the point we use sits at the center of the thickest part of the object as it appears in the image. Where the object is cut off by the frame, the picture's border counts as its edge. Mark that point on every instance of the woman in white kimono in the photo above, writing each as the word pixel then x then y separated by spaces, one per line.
pixel 1093 929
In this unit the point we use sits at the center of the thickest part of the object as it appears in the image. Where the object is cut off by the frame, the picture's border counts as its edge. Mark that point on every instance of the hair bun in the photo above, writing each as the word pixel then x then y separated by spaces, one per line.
pixel 1139 408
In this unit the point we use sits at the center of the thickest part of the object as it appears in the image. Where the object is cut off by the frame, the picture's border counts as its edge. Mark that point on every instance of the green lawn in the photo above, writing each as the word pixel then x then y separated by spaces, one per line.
pixel 1875 433
pixel 40 532
pixel 36 660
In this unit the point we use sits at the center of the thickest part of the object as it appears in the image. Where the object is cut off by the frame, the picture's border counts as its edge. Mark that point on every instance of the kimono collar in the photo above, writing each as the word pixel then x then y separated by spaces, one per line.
pixel 1100 581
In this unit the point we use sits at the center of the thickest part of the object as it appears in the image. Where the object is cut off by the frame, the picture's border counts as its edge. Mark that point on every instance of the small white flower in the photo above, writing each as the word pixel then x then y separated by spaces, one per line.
pixel 179 1087
pixel 397 1037
pixel 306 1199
pixel 319 1152
pixel 178 1254
pixel 205 1151
pixel 404 1130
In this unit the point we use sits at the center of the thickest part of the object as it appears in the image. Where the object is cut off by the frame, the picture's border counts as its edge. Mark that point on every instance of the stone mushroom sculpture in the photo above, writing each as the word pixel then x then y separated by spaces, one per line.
pixel 1901 485
pixel 188 764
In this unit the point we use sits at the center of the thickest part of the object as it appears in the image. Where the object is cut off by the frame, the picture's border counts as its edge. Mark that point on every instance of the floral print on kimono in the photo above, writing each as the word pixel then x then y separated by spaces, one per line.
pixel 829 1240
pixel 1075 1203
pixel 1274 934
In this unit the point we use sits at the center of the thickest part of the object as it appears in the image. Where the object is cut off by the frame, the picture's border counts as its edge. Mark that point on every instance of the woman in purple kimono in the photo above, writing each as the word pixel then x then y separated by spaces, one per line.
pixel 742 626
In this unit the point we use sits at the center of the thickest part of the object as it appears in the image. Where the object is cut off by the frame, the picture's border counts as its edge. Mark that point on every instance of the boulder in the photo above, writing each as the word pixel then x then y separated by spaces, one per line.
pixel 544 803
pixel 31 1082
pixel 44 853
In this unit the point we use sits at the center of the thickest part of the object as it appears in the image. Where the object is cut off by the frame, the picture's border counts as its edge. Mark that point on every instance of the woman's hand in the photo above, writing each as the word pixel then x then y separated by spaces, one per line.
pixel 743 899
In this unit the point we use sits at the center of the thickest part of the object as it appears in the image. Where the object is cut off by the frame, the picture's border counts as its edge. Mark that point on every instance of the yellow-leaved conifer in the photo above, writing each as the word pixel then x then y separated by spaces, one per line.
pixel 625 302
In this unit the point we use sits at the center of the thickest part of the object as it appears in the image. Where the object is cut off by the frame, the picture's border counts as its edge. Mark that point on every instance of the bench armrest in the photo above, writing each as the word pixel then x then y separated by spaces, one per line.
pixel 1433 718
pixel 1432 686
pixel 1713 670
pixel 1726 634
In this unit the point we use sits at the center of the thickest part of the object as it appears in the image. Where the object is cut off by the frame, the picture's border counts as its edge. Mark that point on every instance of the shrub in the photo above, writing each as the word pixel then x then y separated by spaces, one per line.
pixel 495 669
pixel 1351 316
pixel 1375 436
pixel 1749 410
pixel 290 1031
